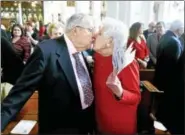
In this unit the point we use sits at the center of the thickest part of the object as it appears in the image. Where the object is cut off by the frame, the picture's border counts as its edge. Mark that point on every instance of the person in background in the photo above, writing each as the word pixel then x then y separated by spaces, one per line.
pixel 169 78
pixel 150 30
pixel 42 29
pixel 116 96
pixel 153 41
pixel 55 30
pixel 32 35
pixel 139 44
pixel 8 30
pixel 59 72
pixel 46 26
pixel 20 43
pixel 11 24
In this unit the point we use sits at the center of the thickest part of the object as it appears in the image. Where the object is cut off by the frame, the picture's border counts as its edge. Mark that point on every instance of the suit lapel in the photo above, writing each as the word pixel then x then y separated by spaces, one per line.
pixel 66 64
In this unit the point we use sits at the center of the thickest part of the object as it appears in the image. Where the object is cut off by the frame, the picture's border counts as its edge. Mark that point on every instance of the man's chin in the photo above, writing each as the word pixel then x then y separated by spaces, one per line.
pixel 80 49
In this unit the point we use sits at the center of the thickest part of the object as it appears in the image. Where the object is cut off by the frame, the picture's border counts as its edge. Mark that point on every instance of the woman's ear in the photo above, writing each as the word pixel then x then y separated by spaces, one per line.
pixel 110 40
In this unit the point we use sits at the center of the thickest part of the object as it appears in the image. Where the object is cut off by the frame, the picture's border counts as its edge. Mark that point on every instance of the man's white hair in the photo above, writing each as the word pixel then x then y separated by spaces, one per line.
pixel 175 25
pixel 79 19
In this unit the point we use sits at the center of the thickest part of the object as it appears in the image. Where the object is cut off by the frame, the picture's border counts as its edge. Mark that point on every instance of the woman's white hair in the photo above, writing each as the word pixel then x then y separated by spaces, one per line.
pixel 117 30
pixel 119 33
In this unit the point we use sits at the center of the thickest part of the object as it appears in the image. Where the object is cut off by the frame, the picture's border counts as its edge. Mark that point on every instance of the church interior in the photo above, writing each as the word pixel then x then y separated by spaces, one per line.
pixel 153 15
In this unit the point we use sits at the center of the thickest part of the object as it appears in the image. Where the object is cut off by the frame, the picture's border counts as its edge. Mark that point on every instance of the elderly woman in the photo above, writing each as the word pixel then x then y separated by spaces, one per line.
pixel 117 95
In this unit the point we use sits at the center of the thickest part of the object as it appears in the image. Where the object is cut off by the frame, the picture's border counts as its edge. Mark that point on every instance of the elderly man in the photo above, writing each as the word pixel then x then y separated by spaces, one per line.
pixel 150 30
pixel 58 71
pixel 169 78
pixel 153 41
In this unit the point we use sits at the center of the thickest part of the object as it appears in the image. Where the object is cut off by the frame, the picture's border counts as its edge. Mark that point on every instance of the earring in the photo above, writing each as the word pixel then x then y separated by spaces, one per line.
pixel 107 45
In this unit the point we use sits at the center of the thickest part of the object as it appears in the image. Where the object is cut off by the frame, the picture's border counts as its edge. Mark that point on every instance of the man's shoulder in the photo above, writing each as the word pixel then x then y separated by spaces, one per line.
pixel 145 31
pixel 152 36
pixel 49 45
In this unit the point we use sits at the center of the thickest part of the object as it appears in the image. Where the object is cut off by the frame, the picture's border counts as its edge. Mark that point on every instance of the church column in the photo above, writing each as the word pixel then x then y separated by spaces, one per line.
pixel 125 12
pixel 82 7
pixel 113 9
pixel 20 13
pixel 47 6
pixel 162 13
pixel 148 12
pixel 96 12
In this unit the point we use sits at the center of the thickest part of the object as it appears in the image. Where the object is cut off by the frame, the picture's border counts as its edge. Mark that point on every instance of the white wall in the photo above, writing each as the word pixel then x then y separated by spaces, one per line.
pixel 113 9
pixel 131 11
pixel 82 7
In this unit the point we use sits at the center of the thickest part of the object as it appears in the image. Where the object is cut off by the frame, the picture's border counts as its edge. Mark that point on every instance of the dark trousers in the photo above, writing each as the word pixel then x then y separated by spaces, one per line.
pixel 83 123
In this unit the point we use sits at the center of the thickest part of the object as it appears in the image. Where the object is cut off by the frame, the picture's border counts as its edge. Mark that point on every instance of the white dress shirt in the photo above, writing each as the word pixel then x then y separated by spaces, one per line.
pixel 73 50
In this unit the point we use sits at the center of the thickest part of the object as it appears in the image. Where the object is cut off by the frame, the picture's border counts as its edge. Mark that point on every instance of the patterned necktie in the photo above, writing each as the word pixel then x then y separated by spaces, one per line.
pixel 84 80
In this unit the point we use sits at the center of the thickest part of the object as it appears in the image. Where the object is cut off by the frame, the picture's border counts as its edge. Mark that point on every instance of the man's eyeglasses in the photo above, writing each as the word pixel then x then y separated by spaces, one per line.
pixel 89 29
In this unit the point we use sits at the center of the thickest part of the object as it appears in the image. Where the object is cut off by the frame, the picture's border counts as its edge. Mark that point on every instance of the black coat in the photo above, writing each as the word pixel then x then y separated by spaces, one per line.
pixel 169 78
pixel 12 64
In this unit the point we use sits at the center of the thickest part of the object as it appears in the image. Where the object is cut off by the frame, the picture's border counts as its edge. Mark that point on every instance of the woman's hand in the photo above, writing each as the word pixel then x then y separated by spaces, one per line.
pixel 114 84
pixel 142 63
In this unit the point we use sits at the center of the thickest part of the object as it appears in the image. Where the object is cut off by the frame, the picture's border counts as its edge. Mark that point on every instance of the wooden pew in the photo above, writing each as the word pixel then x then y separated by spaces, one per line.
pixel 147 74
pixel 28 112
pixel 147 105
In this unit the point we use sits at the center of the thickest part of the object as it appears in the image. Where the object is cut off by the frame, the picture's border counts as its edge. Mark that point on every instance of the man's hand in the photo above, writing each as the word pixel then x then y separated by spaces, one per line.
pixel 114 84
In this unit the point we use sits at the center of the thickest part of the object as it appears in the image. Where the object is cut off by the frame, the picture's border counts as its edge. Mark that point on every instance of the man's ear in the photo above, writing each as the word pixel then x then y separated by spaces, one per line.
pixel 74 31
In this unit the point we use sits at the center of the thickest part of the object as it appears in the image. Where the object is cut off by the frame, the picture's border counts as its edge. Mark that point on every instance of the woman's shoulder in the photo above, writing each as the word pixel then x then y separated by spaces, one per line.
pixel 130 40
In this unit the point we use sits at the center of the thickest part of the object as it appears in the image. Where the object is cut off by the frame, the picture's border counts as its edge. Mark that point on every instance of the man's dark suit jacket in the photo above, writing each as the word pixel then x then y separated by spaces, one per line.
pixel 4 34
pixel 182 40
pixel 146 33
pixel 49 70
pixel 12 64
pixel 169 78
